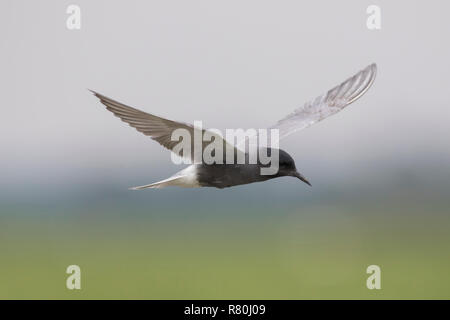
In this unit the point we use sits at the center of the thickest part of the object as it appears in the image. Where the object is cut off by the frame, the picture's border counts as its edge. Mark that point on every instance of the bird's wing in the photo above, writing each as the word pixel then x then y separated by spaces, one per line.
pixel 157 128
pixel 327 104
pixel 319 108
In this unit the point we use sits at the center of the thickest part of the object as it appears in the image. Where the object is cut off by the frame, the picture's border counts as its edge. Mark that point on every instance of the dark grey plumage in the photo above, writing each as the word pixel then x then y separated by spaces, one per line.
pixel 228 175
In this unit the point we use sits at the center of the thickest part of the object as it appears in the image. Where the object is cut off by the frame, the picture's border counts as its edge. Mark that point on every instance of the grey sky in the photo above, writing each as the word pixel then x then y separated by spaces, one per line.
pixel 228 63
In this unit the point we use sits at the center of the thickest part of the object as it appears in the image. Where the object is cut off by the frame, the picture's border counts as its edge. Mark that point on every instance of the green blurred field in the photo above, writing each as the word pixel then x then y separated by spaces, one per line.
pixel 295 253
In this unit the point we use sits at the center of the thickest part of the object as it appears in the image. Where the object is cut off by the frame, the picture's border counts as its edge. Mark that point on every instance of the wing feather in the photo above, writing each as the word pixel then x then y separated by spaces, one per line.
pixel 157 128
pixel 327 104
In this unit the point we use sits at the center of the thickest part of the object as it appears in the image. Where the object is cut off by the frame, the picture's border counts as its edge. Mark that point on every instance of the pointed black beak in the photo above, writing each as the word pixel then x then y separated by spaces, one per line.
pixel 298 175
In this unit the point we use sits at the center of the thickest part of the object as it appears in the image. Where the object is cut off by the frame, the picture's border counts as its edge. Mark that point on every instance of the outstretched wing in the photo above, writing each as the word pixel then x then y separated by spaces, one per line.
pixel 327 104
pixel 157 128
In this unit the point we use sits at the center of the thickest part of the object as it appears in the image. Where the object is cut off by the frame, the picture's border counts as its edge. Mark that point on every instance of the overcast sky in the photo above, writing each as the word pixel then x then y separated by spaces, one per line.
pixel 230 64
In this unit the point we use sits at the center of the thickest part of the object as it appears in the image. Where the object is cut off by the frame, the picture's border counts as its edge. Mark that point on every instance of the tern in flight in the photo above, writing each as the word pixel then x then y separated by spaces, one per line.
pixel 222 175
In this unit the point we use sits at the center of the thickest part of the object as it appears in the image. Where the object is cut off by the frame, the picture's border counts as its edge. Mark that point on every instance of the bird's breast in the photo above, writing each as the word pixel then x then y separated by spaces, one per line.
pixel 228 175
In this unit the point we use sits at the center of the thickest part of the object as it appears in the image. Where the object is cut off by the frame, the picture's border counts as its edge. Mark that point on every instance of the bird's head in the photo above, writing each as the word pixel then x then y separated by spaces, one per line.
pixel 287 167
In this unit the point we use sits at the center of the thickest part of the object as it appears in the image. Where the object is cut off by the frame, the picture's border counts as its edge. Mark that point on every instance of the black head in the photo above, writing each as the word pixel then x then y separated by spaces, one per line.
pixel 287 167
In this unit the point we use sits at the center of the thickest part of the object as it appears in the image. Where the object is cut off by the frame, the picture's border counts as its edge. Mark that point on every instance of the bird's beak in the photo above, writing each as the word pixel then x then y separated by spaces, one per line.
pixel 298 175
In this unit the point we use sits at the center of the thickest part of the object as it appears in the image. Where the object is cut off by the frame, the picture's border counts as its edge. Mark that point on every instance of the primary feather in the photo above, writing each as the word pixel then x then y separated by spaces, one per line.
pixel 327 104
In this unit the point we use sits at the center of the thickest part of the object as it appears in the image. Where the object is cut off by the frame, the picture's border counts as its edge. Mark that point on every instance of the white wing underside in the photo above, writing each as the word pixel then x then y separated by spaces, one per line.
pixel 323 106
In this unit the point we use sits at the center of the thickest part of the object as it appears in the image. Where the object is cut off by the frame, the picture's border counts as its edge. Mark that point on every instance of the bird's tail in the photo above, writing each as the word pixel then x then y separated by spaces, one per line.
pixel 160 184
pixel 186 178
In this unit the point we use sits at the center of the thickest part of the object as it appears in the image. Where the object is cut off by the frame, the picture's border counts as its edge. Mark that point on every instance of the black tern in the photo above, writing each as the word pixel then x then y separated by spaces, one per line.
pixel 228 175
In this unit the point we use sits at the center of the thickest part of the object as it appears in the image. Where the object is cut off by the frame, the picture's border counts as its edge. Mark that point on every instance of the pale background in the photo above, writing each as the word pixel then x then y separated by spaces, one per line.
pixel 380 169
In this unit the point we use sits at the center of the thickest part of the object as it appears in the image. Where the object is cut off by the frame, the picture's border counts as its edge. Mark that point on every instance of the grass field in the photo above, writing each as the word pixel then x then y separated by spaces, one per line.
pixel 310 252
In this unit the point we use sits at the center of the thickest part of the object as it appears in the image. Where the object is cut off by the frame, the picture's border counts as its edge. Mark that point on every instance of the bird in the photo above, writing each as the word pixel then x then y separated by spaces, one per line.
pixel 223 175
